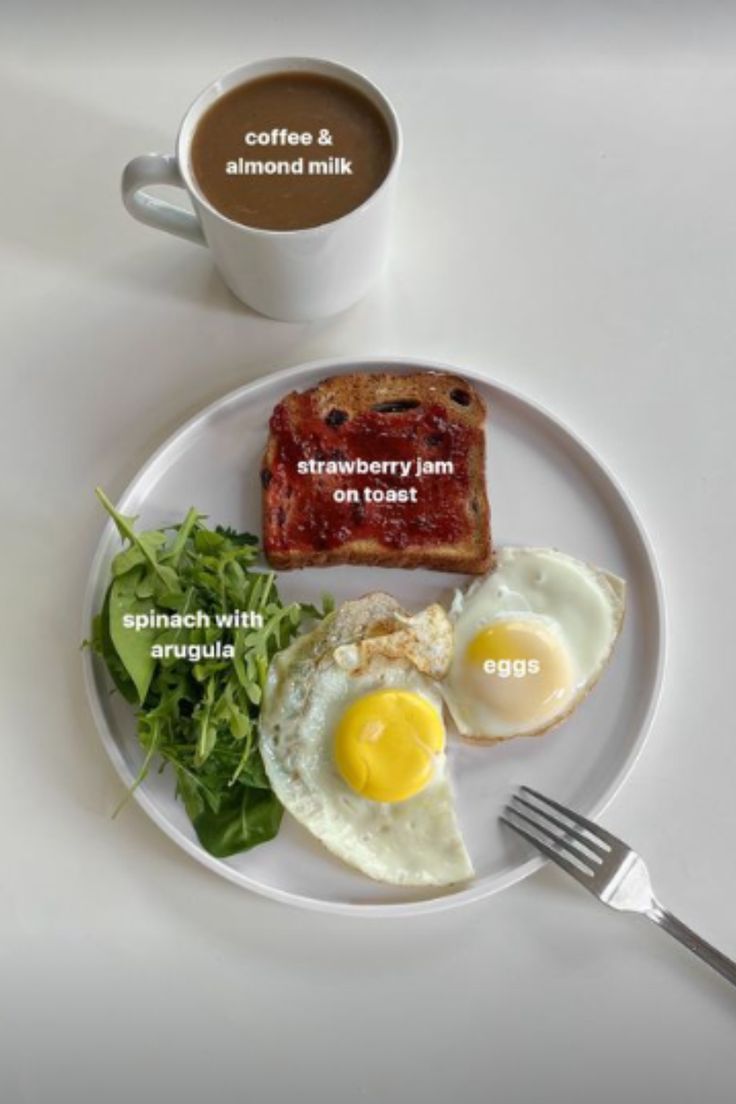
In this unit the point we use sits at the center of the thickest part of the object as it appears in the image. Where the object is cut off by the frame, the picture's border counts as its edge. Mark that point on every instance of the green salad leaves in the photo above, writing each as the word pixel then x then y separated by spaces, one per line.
pixel 200 717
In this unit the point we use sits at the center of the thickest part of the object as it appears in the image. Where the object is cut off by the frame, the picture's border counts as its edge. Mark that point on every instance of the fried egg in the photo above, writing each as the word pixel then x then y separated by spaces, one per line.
pixel 353 741
pixel 531 639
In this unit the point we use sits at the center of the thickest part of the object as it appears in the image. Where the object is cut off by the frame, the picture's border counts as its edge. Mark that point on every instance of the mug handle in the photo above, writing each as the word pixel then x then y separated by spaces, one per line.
pixel 157 168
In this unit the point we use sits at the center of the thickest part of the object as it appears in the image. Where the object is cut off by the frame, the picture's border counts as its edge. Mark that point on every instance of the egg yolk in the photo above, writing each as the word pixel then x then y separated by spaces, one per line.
pixel 386 743
pixel 521 670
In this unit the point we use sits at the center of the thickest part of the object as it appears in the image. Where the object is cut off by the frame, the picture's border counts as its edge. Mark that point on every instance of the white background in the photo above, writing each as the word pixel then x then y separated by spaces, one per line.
pixel 566 222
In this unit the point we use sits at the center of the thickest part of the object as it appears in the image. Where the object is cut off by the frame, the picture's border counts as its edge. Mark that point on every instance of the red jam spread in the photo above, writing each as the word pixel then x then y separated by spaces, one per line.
pixel 300 509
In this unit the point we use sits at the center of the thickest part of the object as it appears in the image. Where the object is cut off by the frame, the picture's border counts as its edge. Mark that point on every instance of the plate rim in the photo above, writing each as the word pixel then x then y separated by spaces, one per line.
pixel 395 910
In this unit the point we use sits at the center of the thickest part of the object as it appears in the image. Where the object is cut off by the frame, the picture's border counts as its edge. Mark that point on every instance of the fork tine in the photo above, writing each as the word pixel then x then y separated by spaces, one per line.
pixel 594 829
pixel 574 871
pixel 564 847
pixel 596 852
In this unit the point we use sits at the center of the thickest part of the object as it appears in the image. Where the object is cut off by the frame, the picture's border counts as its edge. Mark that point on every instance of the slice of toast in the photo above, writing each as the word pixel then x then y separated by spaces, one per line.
pixel 319 509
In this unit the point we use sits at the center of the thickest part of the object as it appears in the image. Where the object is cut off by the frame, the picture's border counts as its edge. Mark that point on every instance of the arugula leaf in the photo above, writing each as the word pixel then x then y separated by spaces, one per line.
pixel 146 544
pixel 234 537
pixel 254 773
pixel 134 556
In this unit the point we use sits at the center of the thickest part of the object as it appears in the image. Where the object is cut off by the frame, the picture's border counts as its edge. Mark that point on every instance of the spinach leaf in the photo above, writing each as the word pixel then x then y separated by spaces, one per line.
pixel 133 646
pixel 246 817
pixel 102 644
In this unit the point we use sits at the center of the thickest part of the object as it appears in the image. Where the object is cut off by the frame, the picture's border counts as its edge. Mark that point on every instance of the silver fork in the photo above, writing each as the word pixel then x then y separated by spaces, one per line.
pixel 604 865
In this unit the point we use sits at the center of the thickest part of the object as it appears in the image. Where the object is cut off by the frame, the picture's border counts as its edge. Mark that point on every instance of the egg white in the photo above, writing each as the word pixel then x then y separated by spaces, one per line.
pixel 581 605
pixel 416 842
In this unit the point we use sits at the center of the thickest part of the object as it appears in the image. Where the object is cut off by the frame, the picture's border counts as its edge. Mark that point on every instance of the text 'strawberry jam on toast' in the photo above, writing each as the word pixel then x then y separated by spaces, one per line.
pixel 300 510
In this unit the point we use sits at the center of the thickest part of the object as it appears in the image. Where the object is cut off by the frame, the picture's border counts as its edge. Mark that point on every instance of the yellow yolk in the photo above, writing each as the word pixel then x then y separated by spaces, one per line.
pixel 386 743
pixel 521 670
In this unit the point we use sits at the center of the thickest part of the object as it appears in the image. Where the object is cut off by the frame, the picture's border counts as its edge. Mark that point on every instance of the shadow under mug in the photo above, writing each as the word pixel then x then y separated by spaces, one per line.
pixel 292 275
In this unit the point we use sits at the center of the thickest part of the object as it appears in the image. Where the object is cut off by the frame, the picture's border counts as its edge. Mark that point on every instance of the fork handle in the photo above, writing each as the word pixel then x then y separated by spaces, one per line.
pixel 724 965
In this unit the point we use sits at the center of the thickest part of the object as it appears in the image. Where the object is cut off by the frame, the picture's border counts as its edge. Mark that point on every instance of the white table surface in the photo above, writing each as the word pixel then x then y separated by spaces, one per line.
pixel 566 222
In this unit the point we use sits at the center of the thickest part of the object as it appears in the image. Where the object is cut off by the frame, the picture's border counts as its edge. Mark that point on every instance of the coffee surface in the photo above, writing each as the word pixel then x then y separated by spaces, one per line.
pixel 290 151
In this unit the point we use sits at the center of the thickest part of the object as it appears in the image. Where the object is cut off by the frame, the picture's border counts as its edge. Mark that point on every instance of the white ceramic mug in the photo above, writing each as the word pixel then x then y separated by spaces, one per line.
pixel 293 275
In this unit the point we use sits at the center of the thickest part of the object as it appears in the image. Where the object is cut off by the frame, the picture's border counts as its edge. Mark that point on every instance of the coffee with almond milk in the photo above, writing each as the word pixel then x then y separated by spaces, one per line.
pixel 290 151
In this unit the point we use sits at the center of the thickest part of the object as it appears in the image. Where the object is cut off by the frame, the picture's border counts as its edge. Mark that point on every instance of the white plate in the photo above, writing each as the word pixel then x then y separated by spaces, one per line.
pixel 546 488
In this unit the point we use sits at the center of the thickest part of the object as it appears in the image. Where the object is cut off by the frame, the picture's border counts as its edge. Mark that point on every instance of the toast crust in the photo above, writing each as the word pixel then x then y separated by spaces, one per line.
pixel 393 410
